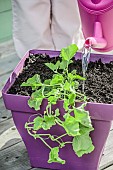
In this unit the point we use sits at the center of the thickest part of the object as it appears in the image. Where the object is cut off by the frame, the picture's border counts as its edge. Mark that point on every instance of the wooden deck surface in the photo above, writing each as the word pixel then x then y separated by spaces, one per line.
pixel 13 154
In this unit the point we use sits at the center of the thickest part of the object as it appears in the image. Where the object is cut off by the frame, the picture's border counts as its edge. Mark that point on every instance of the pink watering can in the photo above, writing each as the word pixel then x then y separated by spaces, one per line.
pixel 97 23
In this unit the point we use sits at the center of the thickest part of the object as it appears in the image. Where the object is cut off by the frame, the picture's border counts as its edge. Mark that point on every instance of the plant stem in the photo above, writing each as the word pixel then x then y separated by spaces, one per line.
pixel 44 134
pixel 61 136
pixel 38 136
pixel 56 141
pixel 50 109
pixel 58 122
pixel 47 109
pixel 30 123
pixel 80 94
pixel 30 133
pixel 69 142
pixel 45 142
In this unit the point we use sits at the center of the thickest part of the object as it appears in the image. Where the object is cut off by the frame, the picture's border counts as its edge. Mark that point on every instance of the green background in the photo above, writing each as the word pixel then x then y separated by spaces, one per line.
pixel 5 20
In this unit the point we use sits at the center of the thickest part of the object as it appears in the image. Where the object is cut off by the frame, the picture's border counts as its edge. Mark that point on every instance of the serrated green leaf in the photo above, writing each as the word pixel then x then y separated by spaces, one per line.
pixel 36 99
pixel 84 129
pixel 53 92
pixel 33 82
pixel 51 66
pixel 57 79
pixel 66 86
pixel 63 64
pixel 71 126
pixel 80 77
pixel 74 72
pixel 37 123
pixel 47 82
pixel 54 156
pixel 83 117
pixel 82 144
pixel 76 85
pixel 68 52
pixel 71 76
pixel 66 104
pixel 37 94
pixel 48 122
pixel 75 77
pixel 52 99
pixel 71 98
pixel 35 103
pixel 57 65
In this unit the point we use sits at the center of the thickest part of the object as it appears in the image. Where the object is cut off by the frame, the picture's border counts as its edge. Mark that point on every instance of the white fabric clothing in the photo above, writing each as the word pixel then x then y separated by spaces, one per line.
pixel 45 24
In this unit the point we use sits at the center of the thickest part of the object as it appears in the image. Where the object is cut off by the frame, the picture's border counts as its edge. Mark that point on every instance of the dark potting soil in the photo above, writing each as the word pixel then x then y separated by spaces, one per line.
pixel 98 86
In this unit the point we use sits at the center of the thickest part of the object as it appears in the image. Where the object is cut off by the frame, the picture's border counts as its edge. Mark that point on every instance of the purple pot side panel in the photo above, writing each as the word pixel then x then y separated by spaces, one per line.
pixel 101 115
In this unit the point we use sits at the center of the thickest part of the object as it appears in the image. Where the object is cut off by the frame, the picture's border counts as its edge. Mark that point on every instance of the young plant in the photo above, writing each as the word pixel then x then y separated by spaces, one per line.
pixel 76 121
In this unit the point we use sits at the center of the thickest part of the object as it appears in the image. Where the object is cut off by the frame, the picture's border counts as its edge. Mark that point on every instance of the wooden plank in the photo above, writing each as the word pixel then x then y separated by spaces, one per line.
pixel 109 168
pixel 14 158
pixel 4 113
pixel 8 134
pixel 107 158
pixel 4 125
pixel 7 64
pixel 7 49
pixel 9 138
pixel 3 80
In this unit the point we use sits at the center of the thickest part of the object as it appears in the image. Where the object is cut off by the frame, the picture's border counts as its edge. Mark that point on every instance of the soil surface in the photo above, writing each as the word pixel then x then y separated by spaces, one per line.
pixel 98 86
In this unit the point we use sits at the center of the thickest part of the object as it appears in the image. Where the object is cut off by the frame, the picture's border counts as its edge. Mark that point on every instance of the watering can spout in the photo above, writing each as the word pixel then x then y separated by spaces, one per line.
pixel 97 41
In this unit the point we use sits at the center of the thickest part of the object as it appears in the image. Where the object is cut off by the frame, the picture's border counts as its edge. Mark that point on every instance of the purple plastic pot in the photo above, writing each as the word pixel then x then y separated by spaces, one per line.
pixel 101 115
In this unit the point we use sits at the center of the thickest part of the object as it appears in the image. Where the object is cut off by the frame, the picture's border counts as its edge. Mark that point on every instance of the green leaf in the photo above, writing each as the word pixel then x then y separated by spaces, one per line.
pixel 84 129
pixel 51 66
pixel 80 77
pixel 76 85
pixel 34 82
pixel 82 116
pixel 57 79
pixel 72 97
pixel 71 126
pixel 37 123
pixel 75 77
pixel 35 103
pixel 63 64
pixel 57 65
pixel 74 72
pixel 68 52
pixel 47 82
pixel 66 104
pixel 52 99
pixel 36 100
pixel 66 86
pixel 53 92
pixel 54 156
pixel 71 76
pixel 82 144
pixel 48 122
